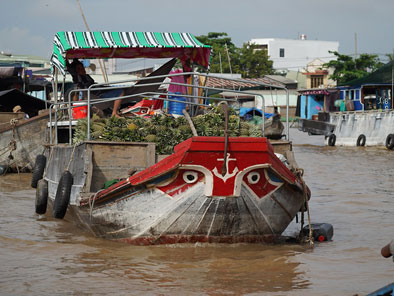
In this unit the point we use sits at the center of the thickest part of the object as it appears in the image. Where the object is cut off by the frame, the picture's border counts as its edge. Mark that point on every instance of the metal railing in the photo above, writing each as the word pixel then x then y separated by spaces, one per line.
pixel 90 101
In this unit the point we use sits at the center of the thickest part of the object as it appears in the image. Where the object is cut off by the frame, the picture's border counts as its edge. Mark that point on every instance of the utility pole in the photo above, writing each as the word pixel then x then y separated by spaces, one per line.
pixel 355 45
pixel 220 63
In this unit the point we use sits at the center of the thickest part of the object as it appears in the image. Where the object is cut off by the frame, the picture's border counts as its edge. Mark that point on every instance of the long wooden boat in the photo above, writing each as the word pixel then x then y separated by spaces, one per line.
pixel 210 189
pixel 200 193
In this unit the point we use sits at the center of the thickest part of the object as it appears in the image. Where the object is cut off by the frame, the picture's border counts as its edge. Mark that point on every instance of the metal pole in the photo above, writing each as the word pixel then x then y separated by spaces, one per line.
pixel 88 134
pixel 263 117
pixel 392 86
pixel 50 110
pixel 287 115
pixel 55 95
pixel 69 119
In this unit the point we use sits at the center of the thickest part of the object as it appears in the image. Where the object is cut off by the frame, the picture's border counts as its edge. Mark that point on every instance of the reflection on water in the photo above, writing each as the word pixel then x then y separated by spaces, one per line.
pixel 351 188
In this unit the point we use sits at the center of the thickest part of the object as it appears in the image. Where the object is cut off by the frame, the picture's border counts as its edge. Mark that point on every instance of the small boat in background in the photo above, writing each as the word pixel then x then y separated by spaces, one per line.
pixel 21 137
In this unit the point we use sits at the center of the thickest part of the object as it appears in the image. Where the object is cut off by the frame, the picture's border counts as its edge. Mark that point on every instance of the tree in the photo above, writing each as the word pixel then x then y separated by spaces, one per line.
pixel 347 68
pixel 222 48
pixel 254 62
pixel 390 56
pixel 227 58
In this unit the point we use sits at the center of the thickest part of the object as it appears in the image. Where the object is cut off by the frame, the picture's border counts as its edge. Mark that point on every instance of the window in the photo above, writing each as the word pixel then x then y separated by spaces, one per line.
pixel 262 46
pixel 316 80
pixel 281 52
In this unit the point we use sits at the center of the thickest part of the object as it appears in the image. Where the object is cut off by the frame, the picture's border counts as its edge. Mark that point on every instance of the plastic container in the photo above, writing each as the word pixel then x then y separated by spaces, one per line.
pixel 176 107
pixel 321 231
pixel 80 110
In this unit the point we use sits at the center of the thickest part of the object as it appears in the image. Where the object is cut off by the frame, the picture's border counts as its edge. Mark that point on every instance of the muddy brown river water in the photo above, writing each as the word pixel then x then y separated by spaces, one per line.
pixel 352 188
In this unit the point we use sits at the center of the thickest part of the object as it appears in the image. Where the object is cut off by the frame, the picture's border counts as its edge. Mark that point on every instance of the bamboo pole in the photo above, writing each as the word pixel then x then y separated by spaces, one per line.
pixel 103 71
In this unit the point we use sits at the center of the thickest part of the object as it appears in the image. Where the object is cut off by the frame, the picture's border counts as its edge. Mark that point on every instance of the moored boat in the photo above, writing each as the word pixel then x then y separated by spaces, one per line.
pixel 21 139
pixel 201 193
pixel 210 189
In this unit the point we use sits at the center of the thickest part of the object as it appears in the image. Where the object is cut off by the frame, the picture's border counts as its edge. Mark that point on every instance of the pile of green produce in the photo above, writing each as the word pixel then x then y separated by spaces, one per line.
pixel 164 130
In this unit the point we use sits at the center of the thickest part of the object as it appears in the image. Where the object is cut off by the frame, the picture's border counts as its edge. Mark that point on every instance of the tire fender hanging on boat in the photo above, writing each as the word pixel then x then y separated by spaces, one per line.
pixel 41 196
pixel 361 140
pixel 38 171
pixel 332 139
pixel 3 169
pixel 390 141
pixel 62 197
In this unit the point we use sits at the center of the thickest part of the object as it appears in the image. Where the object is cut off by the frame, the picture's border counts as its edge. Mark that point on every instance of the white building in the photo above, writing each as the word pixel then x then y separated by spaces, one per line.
pixel 293 54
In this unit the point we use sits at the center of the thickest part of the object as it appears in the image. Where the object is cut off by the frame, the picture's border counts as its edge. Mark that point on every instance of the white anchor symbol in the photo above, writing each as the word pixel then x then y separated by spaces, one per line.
pixel 227 175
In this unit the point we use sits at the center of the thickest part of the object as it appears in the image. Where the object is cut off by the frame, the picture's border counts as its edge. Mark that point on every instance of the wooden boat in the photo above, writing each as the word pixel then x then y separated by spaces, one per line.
pixel 273 127
pixel 21 139
pixel 201 193
pixel 210 189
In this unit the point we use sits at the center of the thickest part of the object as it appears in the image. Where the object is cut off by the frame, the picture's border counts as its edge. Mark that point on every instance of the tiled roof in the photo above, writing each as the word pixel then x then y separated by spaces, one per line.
pixel 218 82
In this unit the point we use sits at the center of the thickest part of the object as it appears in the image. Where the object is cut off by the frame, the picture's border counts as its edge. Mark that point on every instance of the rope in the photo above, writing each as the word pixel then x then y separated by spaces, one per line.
pixel 14 121
pixel 300 172
pixel 12 145
pixel 8 149
pixel 71 158
pixel 91 203
pixel 310 238
pixel 49 161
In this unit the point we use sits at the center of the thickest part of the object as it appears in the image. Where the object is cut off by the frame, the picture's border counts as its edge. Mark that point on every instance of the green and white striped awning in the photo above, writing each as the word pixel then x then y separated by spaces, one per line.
pixel 90 45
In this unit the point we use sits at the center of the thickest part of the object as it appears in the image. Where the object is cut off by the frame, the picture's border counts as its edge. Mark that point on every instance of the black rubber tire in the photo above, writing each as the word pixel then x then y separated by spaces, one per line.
pixel 332 139
pixel 3 169
pixel 62 197
pixel 41 196
pixel 361 140
pixel 390 141
pixel 38 170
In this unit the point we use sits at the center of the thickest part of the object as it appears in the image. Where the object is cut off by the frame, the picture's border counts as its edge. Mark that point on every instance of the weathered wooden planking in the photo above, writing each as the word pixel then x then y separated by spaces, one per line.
pixel 29 135
pixel 281 146
pixel 5 117
pixel 112 160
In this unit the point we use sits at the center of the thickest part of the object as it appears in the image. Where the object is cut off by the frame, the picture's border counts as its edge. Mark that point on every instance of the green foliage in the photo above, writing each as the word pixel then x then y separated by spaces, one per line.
pixel 222 48
pixel 390 56
pixel 254 63
pixel 248 61
pixel 347 68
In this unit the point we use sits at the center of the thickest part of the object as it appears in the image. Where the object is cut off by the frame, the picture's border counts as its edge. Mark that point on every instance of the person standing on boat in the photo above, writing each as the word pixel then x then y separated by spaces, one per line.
pixel 82 81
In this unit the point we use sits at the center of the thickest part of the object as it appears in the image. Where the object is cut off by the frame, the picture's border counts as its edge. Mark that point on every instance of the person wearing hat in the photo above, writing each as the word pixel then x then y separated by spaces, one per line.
pixel 18 109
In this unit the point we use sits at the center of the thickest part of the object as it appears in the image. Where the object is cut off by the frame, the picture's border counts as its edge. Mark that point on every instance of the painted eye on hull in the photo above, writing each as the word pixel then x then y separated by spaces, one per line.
pixel 253 177
pixel 190 177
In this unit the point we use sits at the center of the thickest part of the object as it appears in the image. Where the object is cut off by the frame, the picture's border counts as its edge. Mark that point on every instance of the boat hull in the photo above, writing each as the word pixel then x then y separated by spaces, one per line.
pixel 375 126
pixel 152 217
pixel 22 142
pixel 184 198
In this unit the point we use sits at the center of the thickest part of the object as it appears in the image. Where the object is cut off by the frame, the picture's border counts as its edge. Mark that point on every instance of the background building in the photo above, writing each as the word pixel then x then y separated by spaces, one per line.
pixel 295 54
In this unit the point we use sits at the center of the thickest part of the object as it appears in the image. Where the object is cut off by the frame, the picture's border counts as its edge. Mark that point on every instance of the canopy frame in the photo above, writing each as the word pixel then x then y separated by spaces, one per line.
pixel 92 45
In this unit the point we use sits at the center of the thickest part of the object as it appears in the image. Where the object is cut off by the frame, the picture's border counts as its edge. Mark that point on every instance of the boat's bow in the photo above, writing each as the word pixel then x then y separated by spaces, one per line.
pixel 202 193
